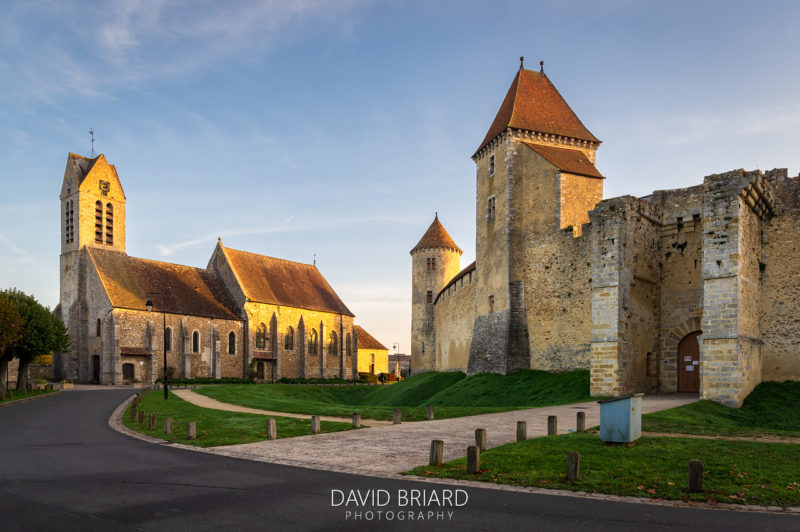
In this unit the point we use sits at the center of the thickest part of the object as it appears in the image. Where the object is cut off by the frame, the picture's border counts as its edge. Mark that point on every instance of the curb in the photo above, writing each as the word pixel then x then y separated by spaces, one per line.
pixel 27 399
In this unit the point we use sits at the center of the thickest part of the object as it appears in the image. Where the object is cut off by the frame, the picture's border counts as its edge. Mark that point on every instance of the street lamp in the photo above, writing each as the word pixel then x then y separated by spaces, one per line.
pixel 149 307
pixel 396 347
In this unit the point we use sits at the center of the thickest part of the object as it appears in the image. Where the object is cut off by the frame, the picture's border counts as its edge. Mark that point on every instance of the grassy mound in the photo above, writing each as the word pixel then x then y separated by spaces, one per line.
pixel 417 390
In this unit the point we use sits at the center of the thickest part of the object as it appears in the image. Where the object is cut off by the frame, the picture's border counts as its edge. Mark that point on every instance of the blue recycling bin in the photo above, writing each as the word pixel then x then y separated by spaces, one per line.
pixel 621 418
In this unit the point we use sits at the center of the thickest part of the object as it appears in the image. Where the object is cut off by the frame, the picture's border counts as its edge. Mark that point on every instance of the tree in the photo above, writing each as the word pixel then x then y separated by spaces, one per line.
pixel 10 334
pixel 42 332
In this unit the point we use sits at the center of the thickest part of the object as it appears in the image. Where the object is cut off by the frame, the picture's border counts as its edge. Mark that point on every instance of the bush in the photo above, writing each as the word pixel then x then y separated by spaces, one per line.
pixel 369 378
pixel 207 380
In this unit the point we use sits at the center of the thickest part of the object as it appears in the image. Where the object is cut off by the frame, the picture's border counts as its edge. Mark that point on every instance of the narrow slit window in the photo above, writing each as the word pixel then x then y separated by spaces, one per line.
pixel 98 222
pixel 491 165
pixel 168 339
pixel 232 343
pixel 109 224
pixel 195 342
pixel 490 209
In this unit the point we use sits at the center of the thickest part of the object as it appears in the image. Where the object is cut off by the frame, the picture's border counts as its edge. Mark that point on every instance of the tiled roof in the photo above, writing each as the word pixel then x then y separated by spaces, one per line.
pixel 283 282
pixel 366 340
pixel 566 159
pixel 436 237
pixel 459 275
pixel 78 166
pixel 534 104
pixel 130 282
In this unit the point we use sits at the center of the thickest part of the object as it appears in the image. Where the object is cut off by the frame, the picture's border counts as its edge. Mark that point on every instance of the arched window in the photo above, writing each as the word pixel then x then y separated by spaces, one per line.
pixel 195 342
pixel 231 343
pixel 97 332
pixel 261 337
pixel 168 339
pixel 333 348
pixel 348 345
pixel 312 342
pixel 288 339
pixel 109 224
pixel 98 222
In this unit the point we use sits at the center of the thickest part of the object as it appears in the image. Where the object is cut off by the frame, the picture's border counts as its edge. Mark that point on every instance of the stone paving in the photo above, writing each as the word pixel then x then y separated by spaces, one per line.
pixel 391 449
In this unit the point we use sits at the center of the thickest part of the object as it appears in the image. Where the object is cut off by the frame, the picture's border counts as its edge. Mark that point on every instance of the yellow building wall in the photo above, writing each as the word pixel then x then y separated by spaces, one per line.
pixel 381 360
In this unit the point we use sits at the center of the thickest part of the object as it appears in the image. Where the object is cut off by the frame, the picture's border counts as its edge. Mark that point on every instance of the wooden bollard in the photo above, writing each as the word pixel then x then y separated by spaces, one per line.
pixel 314 424
pixel 152 424
pixel 356 420
pixel 430 412
pixel 522 430
pixel 272 429
pixel 168 425
pixel 580 425
pixel 552 425
pixel 133 412
pixel 480 439
pixel 473 459
pixel 695 476
pixel 397 416
pixel 142 414
pixel 573 466
pixel 191 430
pixel 437 450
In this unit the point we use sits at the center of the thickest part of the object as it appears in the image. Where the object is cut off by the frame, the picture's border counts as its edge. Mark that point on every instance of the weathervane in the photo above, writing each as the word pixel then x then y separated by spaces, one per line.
pixel 521 62
pixel 315 259
pixel 541 67
pixel 91 132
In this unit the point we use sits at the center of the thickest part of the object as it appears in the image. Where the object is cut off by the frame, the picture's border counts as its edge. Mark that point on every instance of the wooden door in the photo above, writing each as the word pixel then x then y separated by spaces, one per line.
pixel 260 370
pixel 689 363
pixel 96 369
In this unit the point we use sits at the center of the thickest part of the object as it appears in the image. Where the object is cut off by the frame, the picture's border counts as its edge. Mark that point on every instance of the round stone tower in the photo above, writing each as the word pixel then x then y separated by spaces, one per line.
pixel 435 260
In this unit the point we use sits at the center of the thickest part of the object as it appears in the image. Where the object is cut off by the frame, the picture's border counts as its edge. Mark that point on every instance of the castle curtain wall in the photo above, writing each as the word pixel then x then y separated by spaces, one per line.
pixel 455 317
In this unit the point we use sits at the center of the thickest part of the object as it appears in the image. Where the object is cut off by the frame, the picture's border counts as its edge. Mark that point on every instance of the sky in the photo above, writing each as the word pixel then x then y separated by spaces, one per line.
pixel 335 129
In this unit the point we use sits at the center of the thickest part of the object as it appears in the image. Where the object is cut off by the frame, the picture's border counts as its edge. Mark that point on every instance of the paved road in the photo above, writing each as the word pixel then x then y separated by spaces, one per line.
pixel 62 468
pixel 391 449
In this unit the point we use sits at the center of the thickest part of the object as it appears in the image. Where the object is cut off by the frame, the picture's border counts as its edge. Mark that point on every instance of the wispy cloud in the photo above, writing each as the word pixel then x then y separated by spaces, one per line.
pixel 18 254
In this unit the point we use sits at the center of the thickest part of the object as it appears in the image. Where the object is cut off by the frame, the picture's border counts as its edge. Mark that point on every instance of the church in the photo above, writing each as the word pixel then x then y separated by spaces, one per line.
pixel 244 315
pixel 685 290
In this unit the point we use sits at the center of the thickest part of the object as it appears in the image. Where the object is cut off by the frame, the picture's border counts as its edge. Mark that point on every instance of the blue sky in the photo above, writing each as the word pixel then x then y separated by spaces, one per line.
pixel 337 128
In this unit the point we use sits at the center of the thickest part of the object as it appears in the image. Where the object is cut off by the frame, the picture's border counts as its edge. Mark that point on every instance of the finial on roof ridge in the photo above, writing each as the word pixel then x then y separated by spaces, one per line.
pixel 521 62
pixel 541 67
pixel 436 214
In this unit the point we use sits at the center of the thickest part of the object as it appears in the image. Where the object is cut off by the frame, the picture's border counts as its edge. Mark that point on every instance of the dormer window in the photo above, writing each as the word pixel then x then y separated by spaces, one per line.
pixel 491 165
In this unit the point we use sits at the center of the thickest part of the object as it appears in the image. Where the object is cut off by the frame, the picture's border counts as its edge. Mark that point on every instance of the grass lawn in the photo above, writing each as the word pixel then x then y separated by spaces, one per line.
pixel 451 393
pixel 771 408
pixel 735 472
pixel 17 394
pixel 216 427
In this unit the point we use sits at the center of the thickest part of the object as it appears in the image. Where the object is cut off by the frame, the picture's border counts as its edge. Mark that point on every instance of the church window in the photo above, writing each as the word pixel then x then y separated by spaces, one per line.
pixel 288 339
pixel 429 296
pixel 491 303
pixel 312 342
pixel 348 345
pixel 231 343
pixel 491 165
pixel 168 339
pixel 195 342
pixel 333 348
pixel 261 337
pixel 98 222
pixel 490 209
pixel 97 332
pixel 109 224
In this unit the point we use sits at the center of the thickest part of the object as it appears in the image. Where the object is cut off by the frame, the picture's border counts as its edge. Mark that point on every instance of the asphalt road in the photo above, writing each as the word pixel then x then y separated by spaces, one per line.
pixel 63 468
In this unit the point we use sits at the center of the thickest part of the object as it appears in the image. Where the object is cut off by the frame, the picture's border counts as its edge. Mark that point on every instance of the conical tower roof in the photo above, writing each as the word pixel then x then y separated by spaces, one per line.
pixel 436 237
pixel 534 104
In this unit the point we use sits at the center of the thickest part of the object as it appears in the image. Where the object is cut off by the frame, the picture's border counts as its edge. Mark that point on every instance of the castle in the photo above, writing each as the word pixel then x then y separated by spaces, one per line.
pixel 244 314
pixel 691 290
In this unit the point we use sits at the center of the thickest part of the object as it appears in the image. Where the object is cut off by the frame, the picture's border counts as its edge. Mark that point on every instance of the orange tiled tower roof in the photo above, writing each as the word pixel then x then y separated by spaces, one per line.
pixel 534 104
pixel 436 237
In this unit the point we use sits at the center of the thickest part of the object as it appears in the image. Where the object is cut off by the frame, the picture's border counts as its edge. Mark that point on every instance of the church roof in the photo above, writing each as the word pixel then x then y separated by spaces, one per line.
pixel 566 159
pixel 436 237
pixel 130 282
pixel 78 166
pixel 534 104
pixel 283 282
pixel 366 340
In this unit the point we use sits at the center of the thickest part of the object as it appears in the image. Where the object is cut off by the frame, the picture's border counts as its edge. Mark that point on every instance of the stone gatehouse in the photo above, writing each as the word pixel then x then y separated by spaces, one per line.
pixel 692 289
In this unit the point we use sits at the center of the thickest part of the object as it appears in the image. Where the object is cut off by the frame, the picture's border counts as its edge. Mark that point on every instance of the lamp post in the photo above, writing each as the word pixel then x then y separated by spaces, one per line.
pixel 396 347
pixel 149 306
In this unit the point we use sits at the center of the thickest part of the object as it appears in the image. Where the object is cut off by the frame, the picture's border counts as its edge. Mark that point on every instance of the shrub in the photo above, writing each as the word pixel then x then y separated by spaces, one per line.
pixel 207 380
pixel 369 378
pixel 297 380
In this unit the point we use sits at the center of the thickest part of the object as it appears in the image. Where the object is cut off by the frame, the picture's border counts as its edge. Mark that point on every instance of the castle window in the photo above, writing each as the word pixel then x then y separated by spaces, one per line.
pixel 491 303
pixel 490 209
pixel 491 165
pixel 168 339
pixel 312 342
pixel 430 263
pixel 98 222
pixel 349 345
pixel 195 342
pixel 333 349
pixel 429 297
pixel 261 337
pixel 109 224
pixel 423 348
pixel 231 343
pixel 288 339
pixel 97 332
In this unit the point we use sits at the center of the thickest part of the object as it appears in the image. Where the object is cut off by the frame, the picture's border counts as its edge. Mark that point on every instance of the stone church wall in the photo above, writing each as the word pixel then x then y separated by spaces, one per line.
pixel 455 317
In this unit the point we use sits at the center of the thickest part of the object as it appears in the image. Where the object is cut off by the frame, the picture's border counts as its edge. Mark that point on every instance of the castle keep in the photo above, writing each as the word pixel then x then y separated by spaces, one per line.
pixel 690 290
pixel 243 314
